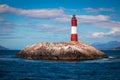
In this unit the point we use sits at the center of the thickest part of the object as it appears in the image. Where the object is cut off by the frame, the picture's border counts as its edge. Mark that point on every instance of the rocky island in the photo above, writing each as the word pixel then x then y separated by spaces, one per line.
pixel 64 51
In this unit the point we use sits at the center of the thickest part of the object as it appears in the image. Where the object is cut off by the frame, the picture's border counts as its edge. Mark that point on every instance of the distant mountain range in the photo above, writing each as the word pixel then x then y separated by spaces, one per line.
pixel 108 45
pixel 3 48
pixel 117 48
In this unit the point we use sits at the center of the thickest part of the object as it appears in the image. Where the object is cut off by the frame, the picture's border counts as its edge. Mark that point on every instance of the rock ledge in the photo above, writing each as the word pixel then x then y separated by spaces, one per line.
pixel 69 51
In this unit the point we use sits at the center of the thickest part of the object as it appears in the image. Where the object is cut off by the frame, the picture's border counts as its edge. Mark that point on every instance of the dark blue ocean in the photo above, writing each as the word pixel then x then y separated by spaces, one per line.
pixel 12 68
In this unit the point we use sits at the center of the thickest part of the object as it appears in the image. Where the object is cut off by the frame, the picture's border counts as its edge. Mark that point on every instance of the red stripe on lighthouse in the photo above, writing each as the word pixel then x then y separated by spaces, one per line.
pixel 74 36
pixel 74 22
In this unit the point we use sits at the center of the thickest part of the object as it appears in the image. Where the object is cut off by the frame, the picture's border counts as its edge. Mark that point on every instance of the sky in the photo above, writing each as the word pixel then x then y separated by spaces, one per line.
pixel 27 22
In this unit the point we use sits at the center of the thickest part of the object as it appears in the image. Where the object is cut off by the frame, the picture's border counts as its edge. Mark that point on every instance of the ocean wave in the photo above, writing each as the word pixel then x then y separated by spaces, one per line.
pixel 105 60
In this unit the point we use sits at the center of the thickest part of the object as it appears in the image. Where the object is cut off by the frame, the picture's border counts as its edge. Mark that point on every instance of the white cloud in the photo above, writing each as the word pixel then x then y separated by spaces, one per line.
pixel 115 32
pixel 83 19
pixel 108 24
pixel 98 17
pixel 58 15
pixel 99 21
pixel 5 8
pixel 99 9
pixel 63 19
pixel 90 19
pixel 54 14
pixel 35 13
pixel 47 28
pixel 42 13
pixel 98 34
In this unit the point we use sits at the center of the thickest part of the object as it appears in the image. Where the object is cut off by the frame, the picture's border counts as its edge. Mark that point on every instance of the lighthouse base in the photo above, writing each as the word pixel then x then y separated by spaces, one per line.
pixel 74 37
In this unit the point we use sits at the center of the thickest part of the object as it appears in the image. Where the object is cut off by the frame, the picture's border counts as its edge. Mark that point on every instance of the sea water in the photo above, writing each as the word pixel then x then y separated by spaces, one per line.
pixel 12 68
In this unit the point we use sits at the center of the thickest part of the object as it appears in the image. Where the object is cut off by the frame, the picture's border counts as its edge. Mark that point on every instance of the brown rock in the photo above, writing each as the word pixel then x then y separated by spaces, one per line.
pixel 69 51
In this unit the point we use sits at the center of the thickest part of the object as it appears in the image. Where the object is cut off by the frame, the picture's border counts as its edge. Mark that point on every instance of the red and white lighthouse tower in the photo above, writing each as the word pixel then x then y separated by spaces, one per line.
pixel 74 36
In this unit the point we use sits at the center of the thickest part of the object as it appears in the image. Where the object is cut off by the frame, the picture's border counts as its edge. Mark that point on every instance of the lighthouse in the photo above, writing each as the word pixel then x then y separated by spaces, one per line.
pixel 74 36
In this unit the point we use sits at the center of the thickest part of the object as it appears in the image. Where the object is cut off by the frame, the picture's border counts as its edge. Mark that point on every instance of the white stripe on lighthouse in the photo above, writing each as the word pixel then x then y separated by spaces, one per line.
pixel 73 30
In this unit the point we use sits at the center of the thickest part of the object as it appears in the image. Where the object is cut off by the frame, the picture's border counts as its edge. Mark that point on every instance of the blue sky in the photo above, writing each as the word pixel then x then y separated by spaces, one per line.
pixel 26 22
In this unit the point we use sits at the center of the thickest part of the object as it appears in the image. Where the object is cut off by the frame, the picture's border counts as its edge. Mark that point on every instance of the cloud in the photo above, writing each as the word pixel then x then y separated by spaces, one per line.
pixel 45 28
pixel 35 13
pixel 99 9
pixel 63 19
pixel 83 19
pixel 97 35
pixel 90 19
pixel 7 27
pixel 53 14
pixel 58 15
pixel 42 13
pixel 115 32
pixel 101 21
pixel 108 24
pixel 95 18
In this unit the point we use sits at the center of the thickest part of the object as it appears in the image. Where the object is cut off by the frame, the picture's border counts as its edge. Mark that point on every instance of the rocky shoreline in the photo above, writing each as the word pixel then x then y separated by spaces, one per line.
pixel 64 51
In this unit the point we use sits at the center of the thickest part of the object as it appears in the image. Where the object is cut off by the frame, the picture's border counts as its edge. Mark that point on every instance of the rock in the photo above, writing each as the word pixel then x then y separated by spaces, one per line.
pixel 69 51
